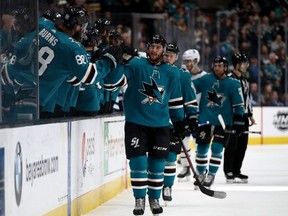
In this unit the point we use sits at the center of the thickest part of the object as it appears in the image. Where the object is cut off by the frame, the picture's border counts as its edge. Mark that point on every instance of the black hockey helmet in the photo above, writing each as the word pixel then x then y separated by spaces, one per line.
pixel 158 39
pixel 102 24
pixel 114 34
pixel 52 15
pixel 74 15
pixel 239 58
pixel 172 48
pixel 24 21
pixel 221 59
pixel 91 37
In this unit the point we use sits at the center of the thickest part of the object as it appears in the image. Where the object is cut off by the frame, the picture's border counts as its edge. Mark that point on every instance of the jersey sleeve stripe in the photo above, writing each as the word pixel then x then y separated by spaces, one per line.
pixel 90 75
pixel 120 82
pixel 74 81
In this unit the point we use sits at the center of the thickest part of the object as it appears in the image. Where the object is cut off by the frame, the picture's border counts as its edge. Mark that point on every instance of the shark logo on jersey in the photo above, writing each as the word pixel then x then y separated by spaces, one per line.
pixel 153 92
pixel 214 98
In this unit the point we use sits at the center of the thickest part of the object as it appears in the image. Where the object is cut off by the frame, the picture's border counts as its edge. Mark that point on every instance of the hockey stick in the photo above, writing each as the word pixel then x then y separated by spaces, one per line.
pixel 206 191
pixel 252 132
pixel 221 120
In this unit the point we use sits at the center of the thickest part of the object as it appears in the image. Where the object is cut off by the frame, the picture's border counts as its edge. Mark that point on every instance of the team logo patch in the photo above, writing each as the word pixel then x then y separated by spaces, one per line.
pixel 153 92
pixel 214 98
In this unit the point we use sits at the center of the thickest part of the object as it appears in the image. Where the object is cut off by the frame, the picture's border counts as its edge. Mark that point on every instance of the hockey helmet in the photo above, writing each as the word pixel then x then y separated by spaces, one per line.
pixel 91 37
pixel 102 24
pixel 221 59
pixel 157 39
pixel 24 21
pixel 53 16
pixel 172 48
pixel 74 15
pixel 114 34
pixel 192 55
pixel 239 58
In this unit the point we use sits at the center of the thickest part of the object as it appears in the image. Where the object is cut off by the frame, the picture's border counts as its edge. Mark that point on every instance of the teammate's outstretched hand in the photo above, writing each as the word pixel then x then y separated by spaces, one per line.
pixel 114 54
pixel 128 53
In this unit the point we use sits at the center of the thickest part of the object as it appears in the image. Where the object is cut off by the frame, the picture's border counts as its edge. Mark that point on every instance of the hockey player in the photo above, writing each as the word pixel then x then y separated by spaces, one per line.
pixel 235 151
pixel 63 59
pixel 17 73
pixel 219 95
pixel 191 59
pixel 88 101
pixel 190 109
pixel 153 96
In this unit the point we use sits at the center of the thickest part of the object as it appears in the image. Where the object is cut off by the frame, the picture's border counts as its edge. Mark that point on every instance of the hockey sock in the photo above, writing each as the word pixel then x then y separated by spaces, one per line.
pixel 156 168
pixel 202 158
pixel 139 177
pixel 170 169
pixel 216 157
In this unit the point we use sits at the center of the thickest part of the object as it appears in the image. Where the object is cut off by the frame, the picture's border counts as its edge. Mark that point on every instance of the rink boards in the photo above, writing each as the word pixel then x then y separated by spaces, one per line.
pixel 72 167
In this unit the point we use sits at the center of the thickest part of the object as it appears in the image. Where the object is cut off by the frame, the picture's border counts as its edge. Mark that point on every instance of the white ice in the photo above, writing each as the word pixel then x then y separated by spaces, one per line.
pixel 266 194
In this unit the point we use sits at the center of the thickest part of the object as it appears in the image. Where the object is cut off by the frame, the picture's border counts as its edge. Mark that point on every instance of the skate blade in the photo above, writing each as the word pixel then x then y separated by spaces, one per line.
pixel 185 179
pixel 241 181
pixel 166 203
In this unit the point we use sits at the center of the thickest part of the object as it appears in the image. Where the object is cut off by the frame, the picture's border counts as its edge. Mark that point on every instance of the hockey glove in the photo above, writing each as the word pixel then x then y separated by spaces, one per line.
pixel 192 123
pixel 114 54
pixel 179 129
pixel 128 53
pixel 238 124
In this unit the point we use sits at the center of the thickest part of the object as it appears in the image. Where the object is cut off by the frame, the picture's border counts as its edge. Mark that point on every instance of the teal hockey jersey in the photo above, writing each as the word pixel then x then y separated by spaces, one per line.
pixel 218 97
pixel 62 59
pixel 153 94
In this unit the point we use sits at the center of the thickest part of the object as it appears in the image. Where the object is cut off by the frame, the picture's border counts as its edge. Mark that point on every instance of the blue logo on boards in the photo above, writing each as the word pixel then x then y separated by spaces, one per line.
pixel 18 173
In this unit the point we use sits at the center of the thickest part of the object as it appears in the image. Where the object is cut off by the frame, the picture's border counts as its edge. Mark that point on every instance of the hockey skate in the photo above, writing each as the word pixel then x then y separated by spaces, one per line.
pixel 155 207
pixel 166 194
pixel 139 206
pixel 201 178
pixel 209 180
pixel 240 178
pixel 230 178
pixel 184 175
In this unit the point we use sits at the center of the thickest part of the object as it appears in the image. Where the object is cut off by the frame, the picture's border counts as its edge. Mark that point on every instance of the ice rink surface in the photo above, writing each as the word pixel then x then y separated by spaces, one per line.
pixel 266 194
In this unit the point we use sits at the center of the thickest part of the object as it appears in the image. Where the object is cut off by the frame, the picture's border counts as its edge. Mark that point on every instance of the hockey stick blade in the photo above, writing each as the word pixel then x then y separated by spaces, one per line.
pixel 204 190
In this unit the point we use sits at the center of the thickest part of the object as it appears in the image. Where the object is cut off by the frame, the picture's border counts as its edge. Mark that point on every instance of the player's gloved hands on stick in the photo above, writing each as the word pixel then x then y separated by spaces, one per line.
pixel 238 124
pixel 114 54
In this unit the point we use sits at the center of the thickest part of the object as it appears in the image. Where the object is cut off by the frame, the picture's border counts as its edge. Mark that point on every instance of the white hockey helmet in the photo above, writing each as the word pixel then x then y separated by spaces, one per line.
pixel 191 54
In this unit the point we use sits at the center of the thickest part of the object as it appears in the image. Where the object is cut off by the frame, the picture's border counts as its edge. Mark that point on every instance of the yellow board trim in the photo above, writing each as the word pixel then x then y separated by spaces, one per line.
pixel 91 200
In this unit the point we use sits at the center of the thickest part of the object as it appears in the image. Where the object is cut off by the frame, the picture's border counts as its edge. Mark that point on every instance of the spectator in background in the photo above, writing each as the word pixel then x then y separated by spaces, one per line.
pixel 254 94
pixel 253 70
pixel 267 91
pixel 274 100
pixel 278 43
pixel 272 71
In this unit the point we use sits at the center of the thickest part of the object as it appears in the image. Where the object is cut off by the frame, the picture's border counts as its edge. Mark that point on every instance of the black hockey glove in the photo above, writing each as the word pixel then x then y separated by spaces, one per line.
pixel 114 54
pixel 192 123
pixel 179 129
pixel 175 145
pixel 238 124
pixel 96 55
pixel 128 53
